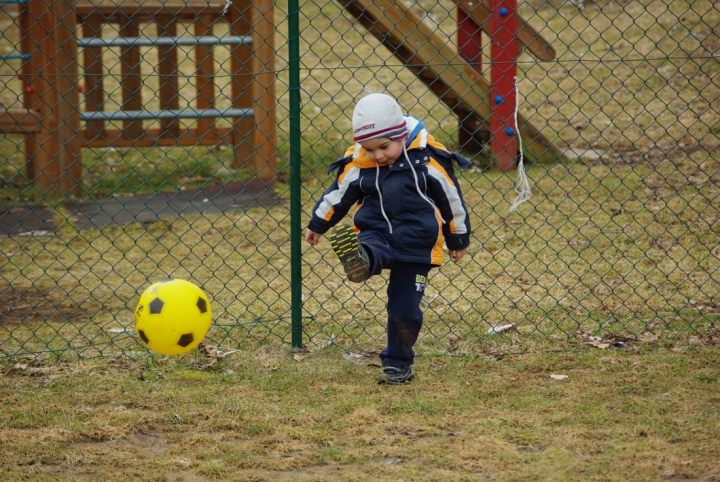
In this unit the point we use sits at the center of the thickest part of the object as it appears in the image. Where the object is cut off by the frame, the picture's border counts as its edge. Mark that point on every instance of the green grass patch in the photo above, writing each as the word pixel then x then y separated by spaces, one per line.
pixel 648 412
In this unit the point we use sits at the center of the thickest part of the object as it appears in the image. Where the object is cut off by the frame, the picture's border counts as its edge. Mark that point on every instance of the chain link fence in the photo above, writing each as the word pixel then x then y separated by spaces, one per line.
pixel 150 140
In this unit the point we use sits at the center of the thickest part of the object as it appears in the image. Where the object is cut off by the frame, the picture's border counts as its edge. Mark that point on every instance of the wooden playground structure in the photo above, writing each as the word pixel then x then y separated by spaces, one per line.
pixel 57 128
pixel 59 125
pixel 485 110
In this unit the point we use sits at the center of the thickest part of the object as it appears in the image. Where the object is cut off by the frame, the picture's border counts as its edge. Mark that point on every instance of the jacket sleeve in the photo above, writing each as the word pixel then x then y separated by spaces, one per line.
pixel 445 191
pixel 337 200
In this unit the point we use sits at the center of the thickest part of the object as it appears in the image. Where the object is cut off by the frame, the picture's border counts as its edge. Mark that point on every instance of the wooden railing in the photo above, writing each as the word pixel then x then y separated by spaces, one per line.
pixel 59 122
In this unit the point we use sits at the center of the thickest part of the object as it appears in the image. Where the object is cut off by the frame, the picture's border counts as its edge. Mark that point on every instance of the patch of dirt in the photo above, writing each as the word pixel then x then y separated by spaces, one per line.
pixel 329 471
pixel 142 441
pixel 36 306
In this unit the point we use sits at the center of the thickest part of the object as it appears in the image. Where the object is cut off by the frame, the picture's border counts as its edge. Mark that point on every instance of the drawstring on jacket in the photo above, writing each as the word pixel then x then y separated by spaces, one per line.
pixel 377 186
pixel 417 188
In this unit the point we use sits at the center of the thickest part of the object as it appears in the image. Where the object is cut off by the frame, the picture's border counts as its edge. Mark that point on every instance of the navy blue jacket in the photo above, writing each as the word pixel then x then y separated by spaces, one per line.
pixel 413 225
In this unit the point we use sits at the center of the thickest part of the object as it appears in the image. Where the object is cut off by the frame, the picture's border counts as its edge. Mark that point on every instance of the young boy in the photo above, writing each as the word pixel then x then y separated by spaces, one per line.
pixel 405 199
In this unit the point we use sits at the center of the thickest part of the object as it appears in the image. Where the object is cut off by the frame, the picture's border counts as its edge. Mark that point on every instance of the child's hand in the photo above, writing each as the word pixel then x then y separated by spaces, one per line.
pixel 312 237
pixel 456 255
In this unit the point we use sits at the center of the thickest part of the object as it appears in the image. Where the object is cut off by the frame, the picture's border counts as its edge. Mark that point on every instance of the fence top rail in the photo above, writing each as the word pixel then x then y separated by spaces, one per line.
pixel 165 114
pixel 163 41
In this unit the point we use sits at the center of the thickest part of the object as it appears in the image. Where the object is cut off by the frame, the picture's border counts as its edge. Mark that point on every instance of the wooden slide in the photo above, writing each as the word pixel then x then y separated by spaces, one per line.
pixel 437 63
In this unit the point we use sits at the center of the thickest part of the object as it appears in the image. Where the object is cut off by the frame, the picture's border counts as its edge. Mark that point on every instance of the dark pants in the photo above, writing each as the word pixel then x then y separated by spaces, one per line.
pixel 405 291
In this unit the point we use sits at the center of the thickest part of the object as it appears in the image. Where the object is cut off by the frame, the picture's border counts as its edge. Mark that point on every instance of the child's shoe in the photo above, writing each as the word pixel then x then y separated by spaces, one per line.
pixel 352 255
pixel 396 375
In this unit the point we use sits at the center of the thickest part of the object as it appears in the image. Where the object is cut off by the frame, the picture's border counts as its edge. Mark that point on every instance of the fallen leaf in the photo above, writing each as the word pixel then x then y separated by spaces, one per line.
pixel 353 356
pixel 297 357
pixel 500 328
pixel 558 377
pixel 598 344
pixel 452 343
pixel 214 352
pixel 329 342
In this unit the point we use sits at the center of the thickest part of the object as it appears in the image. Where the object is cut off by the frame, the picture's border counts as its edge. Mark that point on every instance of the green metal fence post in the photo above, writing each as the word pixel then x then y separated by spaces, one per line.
pixel 295 230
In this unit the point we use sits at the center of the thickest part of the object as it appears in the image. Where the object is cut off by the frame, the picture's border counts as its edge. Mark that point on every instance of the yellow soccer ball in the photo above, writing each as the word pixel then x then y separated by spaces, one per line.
pixel 172 317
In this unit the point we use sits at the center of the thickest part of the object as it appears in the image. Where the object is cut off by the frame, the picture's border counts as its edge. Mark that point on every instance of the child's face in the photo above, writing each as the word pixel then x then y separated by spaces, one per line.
pixel 383 150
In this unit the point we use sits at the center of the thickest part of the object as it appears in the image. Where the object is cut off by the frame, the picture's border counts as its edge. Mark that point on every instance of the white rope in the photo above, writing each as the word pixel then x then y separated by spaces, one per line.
pixel 522 186
pixel 227 7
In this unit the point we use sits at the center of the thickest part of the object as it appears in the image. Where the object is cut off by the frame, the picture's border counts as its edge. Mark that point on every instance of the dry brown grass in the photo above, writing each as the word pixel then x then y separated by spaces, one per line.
pixel 625 248
pixel 643 413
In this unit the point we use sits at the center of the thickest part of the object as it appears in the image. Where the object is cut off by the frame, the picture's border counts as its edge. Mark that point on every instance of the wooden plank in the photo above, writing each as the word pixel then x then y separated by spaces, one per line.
pixel 154 138
pixel 47 165
pixel 264 163
pixel 503 72
pixel 67 108
pixel 527 36
pixel 168 70
pixel 92 60
pixel 437 64
pixel 191 8
pixel 205 72
pixel 19 121
pixel 242 76
pixel 130 81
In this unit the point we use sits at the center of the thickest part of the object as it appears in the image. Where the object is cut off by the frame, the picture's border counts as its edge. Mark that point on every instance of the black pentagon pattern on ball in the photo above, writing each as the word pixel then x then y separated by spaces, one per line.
pixel 202 305
pixel 156 306
pixel 186 339
pixel 144 337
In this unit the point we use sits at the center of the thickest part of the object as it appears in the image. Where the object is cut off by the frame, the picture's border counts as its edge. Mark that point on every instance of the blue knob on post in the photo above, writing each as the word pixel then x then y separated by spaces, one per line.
pixel 509 131
pixel 503 12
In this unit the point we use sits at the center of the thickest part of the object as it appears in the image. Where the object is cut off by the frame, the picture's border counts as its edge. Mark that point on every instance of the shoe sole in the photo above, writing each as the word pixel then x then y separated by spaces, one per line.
pixel 345 243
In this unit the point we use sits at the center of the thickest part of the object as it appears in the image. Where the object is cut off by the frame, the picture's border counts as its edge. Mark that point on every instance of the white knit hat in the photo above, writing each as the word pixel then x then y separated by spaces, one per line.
pixel 378 115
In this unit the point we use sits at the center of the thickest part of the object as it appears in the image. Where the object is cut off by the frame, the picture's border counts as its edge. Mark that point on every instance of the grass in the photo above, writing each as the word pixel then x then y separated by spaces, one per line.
pixel 648 412
pixel 622 246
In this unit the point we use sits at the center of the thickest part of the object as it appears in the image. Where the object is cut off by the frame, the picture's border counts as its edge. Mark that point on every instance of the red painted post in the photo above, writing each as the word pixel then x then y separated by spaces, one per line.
pixel 503 70
pixel 469 38
pixel 472 132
